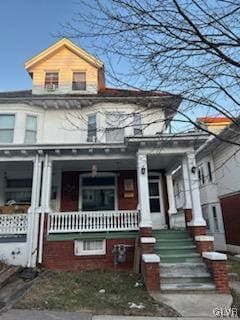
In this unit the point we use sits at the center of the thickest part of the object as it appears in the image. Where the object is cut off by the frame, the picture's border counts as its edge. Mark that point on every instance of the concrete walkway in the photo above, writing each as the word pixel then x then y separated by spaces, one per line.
pixel 196 305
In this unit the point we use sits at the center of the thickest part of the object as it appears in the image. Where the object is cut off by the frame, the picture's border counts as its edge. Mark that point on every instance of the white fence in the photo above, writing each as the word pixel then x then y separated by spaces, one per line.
pixel 13 223
pixel 91 221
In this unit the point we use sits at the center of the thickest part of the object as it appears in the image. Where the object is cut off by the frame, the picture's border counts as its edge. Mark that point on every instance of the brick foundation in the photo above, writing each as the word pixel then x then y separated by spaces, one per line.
pixel 151 275
pixel 59 255
pixel 188 215
pixel 145 232
pixel 219 273
pixel 196 231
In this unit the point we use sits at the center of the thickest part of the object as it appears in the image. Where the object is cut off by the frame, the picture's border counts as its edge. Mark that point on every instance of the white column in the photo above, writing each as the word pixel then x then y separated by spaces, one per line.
pixel 171 199
pixel 186 184
pixel 45 200
pixel 32 234
pixel 2 186
pixel 197 217
pixel 143 191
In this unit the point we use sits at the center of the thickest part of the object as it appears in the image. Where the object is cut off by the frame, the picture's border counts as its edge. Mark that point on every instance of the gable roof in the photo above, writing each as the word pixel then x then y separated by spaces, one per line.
pixel 61 44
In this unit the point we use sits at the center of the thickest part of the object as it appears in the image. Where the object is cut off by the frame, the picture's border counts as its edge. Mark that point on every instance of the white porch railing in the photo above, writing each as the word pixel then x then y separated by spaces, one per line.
pixel 13 223
pixel 92 221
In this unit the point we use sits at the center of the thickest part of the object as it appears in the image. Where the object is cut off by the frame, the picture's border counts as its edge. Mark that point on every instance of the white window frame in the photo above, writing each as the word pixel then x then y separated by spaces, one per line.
pixel 14 126
pixel 79 71
pixel 79 251
pixel 112 112
pixel 44 80
pixel 37 127
pixel 100 174
pixel 96 137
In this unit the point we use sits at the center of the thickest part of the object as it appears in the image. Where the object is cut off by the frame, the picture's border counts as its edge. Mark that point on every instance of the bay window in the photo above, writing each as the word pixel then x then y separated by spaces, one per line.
pixel 7 123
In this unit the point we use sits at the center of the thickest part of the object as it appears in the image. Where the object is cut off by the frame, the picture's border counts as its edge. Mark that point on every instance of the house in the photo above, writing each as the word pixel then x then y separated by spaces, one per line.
pixel 219 182
pixel 86 170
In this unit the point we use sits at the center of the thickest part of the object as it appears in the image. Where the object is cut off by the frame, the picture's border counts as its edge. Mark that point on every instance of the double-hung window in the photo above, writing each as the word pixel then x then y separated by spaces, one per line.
pixel 31 130
pixel 18 190
pixel 115 127
pixel 92 128
pixel 137 124
pixel 79 81
pixel 7 123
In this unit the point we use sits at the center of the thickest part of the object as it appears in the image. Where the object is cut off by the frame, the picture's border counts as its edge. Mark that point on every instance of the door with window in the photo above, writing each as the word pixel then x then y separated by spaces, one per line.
pixel 155 201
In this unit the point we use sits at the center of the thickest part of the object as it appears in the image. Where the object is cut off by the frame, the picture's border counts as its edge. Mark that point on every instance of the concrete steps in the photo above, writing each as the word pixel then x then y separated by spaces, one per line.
pixel 181 267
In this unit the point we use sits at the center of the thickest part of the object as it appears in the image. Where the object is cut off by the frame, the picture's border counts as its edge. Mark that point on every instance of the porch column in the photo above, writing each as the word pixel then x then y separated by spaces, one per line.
pixel 171 199
pixel 45 200
pixel 2 186
pixel 187 193
pixel 33 214
pixel 143 191
pixel 197 217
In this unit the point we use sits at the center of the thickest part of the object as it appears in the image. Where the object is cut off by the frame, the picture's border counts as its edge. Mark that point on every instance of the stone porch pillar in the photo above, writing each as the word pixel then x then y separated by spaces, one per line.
pixel 33 213
pixel 143 195
pixel 197 225
pixel 171 199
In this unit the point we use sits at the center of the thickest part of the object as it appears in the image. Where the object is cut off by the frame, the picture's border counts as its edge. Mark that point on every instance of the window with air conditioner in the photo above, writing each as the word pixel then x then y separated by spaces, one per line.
pixel 51 81
pixel 7 124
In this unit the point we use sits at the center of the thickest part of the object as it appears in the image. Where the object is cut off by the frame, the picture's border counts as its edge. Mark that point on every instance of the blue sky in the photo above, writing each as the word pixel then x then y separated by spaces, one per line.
pixel 26 28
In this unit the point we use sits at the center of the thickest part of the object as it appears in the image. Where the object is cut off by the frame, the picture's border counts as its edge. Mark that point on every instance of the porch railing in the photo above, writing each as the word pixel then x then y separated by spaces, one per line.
pixel 91 221
pixel 13 224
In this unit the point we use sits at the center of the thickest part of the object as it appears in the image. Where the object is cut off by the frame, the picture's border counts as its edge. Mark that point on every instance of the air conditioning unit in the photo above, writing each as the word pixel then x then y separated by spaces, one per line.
pixel 50 87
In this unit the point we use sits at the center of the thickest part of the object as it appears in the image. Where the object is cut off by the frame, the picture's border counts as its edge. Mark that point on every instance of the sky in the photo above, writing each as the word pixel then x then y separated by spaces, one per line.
pixel 26 28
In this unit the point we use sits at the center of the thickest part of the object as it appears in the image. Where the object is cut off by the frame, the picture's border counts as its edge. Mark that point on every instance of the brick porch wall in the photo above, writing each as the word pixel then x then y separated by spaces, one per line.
pixel 59 255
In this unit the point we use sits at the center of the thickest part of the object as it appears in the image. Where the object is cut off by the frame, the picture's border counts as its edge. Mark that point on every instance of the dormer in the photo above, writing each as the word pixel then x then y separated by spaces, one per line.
pixel 64 68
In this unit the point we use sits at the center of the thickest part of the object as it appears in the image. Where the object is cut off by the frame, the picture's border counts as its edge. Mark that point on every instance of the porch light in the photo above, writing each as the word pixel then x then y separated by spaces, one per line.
pixel 143 170
pixel 193 169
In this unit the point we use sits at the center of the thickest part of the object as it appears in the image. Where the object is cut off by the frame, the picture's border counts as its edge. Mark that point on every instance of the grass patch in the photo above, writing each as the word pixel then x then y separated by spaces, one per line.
pixel 234 266
pixel 80 292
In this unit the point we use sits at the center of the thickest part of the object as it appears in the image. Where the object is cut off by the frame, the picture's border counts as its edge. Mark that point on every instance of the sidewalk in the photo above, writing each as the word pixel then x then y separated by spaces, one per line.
pixel 15 314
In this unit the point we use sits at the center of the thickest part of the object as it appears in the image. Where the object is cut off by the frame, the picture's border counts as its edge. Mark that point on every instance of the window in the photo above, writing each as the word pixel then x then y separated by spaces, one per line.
pixel 115 127
pixel 201 176
pixel 98 193
pixel 7 123
pixel 51 80
pixel 92 128
pixel 215 219
pixel 205 215
pixel 18 190
pixel 79 81
pixel 31 130
pixel 209 171
pixel 90 247
pixel 137 124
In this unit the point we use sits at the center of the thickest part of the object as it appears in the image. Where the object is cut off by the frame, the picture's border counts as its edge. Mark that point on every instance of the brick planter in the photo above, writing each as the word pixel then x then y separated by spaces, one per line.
pixel 204 244
pixel 151 272
pixel 147 244
pixel 217 264
pixel 188 215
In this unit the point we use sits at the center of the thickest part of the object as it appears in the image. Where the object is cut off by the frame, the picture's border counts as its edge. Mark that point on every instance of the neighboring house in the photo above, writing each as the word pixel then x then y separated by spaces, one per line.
pixel 218 167
pixel 86 169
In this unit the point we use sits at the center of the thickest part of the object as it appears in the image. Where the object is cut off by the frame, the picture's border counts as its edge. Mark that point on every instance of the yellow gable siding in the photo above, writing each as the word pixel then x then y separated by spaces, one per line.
pixel 65 62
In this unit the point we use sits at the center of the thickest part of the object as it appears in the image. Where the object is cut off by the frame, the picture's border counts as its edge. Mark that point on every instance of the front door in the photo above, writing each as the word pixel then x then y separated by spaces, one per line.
pixel 155 201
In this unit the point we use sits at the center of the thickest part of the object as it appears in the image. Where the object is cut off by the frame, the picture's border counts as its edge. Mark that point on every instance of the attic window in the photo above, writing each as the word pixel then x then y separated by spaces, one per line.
pixel 79 81
pixel 51 80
